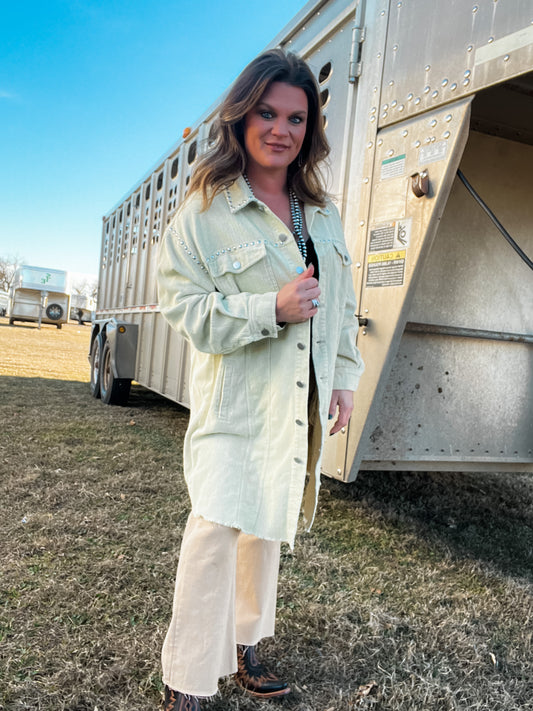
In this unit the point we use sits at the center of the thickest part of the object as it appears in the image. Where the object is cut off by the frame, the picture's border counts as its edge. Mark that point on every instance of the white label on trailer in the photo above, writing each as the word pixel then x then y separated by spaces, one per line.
pixel 393 167
pixel 403 233
pixel 432 153
pixel 382 237
pixel 390 235
pixel 386 269
pixel 513 41
pixel 46 280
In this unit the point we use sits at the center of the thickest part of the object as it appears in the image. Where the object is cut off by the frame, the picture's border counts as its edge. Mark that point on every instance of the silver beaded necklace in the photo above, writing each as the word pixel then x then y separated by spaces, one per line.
pixel 296 218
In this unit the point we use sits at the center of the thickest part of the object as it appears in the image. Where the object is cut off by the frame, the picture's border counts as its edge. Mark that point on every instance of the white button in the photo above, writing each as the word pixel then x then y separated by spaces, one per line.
pixel 236 265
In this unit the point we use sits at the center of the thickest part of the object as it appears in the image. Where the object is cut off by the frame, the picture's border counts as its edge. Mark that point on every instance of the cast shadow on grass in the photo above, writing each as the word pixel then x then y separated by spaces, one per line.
pixel 80 393
pixel 27 325
pixel 141 397
pixel 485 516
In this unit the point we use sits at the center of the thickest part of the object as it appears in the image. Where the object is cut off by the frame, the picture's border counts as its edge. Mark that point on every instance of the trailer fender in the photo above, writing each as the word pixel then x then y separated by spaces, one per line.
pixel 122 338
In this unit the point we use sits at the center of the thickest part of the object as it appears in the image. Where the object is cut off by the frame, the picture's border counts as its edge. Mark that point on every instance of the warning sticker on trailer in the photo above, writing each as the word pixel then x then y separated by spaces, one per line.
pixel 432 153
pixel 393 167
pixel 386 269
pixel 390 235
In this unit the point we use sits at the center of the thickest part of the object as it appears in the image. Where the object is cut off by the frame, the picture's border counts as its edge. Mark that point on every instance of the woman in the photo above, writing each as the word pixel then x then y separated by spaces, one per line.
pixel 255 273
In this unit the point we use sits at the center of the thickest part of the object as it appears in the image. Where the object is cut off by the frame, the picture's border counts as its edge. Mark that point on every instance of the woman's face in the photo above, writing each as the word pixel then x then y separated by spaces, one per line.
pixel 274 129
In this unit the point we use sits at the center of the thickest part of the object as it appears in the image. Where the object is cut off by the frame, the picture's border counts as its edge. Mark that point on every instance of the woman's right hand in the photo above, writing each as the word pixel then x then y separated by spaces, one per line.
pixel 294 301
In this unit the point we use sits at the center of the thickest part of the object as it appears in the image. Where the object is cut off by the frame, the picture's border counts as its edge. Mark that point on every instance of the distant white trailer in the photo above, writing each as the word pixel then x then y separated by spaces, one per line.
pixel 82 308
pixel 40 295
pixel 4 302
pixel 416 95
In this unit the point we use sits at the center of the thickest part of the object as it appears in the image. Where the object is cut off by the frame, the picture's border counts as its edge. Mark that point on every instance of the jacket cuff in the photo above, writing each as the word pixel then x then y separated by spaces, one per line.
pixel 264 316
pixel 346 379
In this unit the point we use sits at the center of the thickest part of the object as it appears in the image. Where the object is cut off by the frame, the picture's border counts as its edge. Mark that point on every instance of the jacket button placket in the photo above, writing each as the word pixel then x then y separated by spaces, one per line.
pixel 300 412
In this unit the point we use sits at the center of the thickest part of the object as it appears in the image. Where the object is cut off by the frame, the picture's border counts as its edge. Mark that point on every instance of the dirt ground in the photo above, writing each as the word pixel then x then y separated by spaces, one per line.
pixel 413 592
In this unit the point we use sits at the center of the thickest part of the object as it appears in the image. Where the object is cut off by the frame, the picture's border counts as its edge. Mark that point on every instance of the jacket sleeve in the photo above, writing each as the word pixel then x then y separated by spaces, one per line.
pixel 189 301
pixel 349 364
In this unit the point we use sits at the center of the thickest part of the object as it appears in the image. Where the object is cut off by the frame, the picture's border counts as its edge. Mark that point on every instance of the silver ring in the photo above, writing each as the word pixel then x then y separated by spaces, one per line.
pixel 316 303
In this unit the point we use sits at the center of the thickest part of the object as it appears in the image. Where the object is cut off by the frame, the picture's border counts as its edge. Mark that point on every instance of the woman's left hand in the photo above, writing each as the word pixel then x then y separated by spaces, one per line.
pixel 343 401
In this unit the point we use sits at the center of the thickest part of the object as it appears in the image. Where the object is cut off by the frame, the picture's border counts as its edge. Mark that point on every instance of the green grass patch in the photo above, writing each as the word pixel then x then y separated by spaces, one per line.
pixel 414 587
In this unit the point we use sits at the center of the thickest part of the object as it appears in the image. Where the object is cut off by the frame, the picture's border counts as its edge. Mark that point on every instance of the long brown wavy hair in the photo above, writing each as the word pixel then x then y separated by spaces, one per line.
pixel 227 158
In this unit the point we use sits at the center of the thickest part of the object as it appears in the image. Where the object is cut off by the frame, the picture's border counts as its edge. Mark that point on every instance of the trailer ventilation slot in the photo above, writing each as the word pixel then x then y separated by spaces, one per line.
pixel 213 132
pixel 191 156
pixel 325 73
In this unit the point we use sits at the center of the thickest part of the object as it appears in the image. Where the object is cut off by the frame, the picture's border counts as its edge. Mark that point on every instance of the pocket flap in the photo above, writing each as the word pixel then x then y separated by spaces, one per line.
pixel 343 253
pixel 236 260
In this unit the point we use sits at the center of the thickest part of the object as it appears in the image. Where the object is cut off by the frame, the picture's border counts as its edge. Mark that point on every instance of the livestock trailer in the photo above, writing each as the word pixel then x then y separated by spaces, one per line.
pixel 429 111
pixel 82 308
pixel 40 295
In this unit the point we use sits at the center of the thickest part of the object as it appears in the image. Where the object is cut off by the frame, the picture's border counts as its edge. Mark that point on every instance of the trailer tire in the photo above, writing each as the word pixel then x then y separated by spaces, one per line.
pixel 54 312
pixel 114 391
pixel 96 361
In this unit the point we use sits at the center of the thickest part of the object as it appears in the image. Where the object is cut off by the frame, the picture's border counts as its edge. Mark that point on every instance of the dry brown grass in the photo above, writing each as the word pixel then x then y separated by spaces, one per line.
pixel 421 583
pixel 29 352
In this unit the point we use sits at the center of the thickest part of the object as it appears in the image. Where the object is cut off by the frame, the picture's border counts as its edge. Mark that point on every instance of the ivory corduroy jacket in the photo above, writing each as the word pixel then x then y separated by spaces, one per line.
pixel 246 451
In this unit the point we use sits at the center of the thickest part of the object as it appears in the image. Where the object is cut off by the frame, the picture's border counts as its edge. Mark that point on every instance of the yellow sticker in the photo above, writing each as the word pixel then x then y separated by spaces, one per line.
pixel 386 256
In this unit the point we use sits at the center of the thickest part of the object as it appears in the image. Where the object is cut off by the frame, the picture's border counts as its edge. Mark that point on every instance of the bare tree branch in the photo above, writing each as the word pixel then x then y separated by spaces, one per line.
pixel 8 267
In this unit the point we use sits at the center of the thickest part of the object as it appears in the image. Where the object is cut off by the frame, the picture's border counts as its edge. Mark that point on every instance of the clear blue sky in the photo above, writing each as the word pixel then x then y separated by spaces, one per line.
pixel 93 92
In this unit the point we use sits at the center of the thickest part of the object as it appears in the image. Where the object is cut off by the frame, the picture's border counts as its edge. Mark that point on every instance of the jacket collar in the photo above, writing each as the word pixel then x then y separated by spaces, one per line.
pixel 238 195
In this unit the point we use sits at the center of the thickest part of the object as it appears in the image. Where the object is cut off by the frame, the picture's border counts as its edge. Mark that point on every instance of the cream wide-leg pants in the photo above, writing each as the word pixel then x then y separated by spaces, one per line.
pixel 225 595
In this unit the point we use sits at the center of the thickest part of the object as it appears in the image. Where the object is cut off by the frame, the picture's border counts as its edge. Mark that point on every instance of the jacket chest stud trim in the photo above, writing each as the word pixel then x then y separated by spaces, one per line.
pixel 185 247
pixel 234 207
pixel 244 245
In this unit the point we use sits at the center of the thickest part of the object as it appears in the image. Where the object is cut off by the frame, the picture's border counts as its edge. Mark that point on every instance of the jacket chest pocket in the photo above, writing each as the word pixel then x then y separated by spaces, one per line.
pixel 245 268
pixel 335 262
pixel 342 253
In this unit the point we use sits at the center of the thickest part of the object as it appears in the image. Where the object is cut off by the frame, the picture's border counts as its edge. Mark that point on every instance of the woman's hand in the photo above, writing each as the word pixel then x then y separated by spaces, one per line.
pixel 294 300
pixel 343 401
